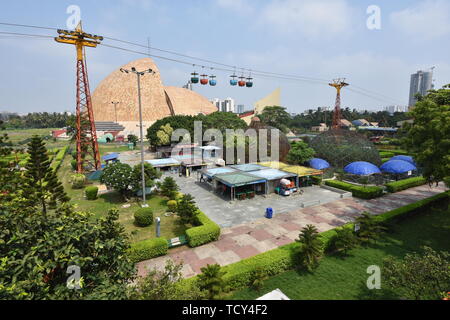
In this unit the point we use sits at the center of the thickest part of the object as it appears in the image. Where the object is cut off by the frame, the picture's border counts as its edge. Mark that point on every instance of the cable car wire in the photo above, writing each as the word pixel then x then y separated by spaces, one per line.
pixel 258 73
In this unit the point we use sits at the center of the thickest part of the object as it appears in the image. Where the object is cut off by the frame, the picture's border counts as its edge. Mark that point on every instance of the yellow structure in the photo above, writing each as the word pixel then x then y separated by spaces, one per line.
pixel 273 99
pixel 298 170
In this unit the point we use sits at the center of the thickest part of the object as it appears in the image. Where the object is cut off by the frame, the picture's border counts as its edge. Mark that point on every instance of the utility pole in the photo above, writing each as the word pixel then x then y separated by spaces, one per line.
pixel 139 74
pixel 115 108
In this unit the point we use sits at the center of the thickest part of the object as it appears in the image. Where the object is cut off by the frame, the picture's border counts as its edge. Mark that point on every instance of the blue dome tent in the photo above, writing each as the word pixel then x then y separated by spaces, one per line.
pixel 404 158
pixel 397 167
pixel 318 164
pixel 361 168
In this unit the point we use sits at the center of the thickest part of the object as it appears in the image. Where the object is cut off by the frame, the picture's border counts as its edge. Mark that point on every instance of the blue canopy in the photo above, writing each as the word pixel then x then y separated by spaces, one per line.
pixel 404 158
pixel 111 156
pixel 362 168
pixel 397 166
pixel 318 164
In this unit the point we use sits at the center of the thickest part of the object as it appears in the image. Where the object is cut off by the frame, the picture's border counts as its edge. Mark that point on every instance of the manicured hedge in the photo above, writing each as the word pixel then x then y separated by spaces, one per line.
pixel 57 161
pixel 405 184
pixel 238 275
pixel 206 231
pixel 143 217
pixel 364 192
pixel 383 160
pixel 410 209
pixel 386 154
pixel 148 249
pixel 91 192
pixel 398 152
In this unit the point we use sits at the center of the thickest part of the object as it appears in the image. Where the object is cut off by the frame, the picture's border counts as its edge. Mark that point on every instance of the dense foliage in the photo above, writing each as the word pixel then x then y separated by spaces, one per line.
pixel 277 117
pixel 37 120
pixel 418 276
pixel 299 153
pixel 429 137
pixel 216 120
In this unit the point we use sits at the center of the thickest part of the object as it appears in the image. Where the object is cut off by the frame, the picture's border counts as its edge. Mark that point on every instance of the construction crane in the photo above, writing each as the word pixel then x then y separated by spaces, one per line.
pixel 88 155
pixel 338 84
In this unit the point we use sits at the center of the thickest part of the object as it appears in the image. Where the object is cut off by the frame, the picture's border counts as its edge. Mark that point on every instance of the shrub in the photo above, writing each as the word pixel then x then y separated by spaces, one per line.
pixel 343 240
pixel 405 184
pixel 169 188
pixel 363 192
pixel 383 160
pixel 206 231
pixel 172 205
pixel 143 217
pixel 311 247
pixel 78 181
pixel 58 159
pixel 73 164
pixel 148 249
pixel 91 192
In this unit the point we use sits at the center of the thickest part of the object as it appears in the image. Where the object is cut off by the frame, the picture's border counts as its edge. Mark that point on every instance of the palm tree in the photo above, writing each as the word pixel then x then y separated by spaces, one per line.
pixel 211 280
pixel 311 247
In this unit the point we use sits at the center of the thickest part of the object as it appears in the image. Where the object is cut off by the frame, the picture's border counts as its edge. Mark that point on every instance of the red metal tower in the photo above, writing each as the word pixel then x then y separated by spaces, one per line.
pixel 338 84
pixel 88 155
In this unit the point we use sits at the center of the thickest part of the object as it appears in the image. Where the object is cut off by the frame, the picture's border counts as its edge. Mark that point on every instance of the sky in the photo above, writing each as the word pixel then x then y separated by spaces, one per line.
pixel 323 39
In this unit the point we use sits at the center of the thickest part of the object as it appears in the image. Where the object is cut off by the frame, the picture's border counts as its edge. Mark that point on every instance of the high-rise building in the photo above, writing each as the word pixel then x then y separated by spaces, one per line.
pixel 421 82
pixel 396 108
pixel 240 108
pixel 227 105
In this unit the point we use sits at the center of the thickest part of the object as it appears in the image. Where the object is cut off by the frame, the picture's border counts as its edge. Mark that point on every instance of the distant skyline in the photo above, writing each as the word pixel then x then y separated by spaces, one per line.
pixel 323 39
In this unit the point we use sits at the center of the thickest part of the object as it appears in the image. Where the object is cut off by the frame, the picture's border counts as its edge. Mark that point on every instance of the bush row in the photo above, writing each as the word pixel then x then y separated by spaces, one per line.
pixel 405 184
pixel 284 258
pixel 363 192
pixel 57 161
pixel 205 231
pixel 148 249
pixel 386 154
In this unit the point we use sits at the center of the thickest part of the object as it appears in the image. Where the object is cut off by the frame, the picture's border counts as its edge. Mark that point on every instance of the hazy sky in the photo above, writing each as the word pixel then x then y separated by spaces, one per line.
pixel 315 38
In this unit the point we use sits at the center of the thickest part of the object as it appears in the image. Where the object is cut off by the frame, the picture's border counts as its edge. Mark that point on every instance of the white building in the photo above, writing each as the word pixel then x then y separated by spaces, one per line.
pixel 227 105
pixel 396 108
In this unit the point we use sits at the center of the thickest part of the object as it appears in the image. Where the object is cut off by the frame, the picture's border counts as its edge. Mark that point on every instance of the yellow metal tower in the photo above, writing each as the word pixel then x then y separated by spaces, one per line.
pixel 88 155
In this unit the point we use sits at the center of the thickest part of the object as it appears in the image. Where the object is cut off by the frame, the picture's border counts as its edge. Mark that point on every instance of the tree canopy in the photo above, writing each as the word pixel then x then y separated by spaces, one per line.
pixel 276 117
pixel 299 153
pixel 428 138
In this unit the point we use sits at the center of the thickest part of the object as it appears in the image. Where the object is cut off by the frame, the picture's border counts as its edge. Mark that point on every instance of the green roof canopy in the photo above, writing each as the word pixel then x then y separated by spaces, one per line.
pixel 237 179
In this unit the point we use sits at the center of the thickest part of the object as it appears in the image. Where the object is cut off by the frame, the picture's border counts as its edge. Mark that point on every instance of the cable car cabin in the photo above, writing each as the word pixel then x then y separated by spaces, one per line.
pixel 212 81
pixel 194 77
pixel 233 80
pixel 249 84
pixel 241 82
pixel 204 80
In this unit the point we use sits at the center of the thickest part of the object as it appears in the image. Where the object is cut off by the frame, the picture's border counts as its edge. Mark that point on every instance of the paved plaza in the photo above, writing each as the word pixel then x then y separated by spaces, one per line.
pixel 261 235
pixel 228 213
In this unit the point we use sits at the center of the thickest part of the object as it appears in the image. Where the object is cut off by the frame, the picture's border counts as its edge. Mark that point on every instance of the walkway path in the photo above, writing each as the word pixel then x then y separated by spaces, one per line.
pixel 246 240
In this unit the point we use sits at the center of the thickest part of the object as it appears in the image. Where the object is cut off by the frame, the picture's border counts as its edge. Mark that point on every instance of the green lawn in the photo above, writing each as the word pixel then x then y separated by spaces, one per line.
pixel 345 278
pixel 170 227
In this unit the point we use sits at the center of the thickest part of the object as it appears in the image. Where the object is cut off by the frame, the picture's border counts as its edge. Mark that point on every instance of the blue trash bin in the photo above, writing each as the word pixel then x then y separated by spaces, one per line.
pixel 269 213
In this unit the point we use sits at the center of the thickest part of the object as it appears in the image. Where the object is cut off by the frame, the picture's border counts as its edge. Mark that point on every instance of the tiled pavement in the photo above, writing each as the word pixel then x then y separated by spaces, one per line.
pixel 247 240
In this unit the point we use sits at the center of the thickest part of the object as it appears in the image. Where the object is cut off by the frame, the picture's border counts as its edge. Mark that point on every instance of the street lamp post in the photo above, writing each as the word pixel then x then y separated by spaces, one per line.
pixel 139 74
pixel 115 108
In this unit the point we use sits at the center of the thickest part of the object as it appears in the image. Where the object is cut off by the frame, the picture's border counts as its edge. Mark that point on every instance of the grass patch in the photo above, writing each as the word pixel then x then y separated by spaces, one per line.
pixel 170 226
pixel 345 278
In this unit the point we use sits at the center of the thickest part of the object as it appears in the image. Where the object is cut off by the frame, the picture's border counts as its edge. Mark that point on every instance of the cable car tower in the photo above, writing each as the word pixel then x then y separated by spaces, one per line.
pixel 88 154
pixel 338 84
